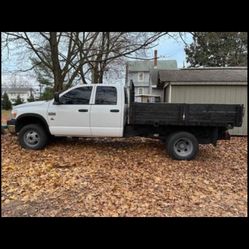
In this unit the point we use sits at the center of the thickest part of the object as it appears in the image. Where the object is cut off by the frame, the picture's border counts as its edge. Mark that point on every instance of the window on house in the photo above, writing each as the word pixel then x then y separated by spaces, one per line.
pixel 106 95
pixel 140 91
pixel 77 96
pixel 140 76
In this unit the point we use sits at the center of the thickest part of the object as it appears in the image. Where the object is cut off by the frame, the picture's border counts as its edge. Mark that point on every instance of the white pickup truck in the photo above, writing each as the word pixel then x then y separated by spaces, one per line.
pixel 101 110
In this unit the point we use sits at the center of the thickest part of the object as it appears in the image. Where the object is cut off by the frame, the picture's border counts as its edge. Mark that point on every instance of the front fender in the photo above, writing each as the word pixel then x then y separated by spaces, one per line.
pixel 29 118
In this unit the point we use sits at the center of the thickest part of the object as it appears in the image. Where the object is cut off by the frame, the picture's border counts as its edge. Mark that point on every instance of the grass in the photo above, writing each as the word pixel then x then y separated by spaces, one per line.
pixel 5 116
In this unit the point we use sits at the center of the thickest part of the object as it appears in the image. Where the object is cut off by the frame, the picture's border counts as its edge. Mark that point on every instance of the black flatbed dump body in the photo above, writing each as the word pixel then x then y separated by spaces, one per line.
pixel 178 114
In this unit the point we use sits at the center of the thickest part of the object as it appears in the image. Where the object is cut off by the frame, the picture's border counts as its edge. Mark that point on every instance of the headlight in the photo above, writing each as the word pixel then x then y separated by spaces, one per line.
pixel 13 114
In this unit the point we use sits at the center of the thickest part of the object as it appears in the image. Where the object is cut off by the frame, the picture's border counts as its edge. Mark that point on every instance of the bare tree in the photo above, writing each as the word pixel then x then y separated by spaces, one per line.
pixel 111 46
pixel 55 52
pixel 68 56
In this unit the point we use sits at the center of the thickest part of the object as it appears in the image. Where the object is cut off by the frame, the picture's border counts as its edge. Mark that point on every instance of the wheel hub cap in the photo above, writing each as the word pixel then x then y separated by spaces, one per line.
pixel 183 147
pixel 32 138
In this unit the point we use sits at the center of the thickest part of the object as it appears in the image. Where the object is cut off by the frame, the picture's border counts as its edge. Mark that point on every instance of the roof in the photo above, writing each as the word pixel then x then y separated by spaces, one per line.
pixel 144 66
pixel 203 75
pixel 17 89
pixel 209 68
pixel 97 84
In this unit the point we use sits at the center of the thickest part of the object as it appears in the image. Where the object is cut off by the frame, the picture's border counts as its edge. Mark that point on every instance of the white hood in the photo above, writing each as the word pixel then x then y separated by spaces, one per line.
pixel 31 104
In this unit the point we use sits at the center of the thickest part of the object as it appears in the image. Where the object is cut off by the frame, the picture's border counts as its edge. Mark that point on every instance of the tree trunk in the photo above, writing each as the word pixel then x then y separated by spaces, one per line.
pixel 57 72
pixel 95 73
pixel 101 73
pixel 58 82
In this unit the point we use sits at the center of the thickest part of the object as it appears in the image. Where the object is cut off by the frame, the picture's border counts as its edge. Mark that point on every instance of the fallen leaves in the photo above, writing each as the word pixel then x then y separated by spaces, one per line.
pixel 122 177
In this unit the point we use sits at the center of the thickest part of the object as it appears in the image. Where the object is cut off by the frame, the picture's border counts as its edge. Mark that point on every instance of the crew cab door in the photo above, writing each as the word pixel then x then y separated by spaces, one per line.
pixel 106 118
pixel 72 116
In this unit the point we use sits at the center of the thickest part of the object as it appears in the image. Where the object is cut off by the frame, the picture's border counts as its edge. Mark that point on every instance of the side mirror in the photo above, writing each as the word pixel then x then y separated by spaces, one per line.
pixel 56 99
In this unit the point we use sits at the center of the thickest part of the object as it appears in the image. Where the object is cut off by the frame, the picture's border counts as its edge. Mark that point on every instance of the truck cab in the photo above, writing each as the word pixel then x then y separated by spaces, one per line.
pixel 92 110
pixel 88 111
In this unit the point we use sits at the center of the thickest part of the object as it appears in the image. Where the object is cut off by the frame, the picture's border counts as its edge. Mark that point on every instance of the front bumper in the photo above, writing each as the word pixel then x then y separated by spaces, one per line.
pixel 11 125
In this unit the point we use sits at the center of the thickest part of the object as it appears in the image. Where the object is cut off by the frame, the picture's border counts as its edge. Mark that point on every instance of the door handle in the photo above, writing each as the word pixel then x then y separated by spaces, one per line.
pixel 83 110
pixel 114 110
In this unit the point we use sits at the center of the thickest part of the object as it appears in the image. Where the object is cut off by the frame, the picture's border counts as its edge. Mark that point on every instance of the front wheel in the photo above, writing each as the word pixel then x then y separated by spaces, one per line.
pixel 182 146
pixel 33 137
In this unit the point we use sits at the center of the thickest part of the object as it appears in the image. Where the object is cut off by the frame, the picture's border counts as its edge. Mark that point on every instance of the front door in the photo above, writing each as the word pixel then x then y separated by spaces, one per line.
pixel 106 113
pixel 72 116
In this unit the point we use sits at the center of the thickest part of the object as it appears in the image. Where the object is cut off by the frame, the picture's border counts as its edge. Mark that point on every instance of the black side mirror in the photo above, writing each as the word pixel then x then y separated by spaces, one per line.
pixel 56 99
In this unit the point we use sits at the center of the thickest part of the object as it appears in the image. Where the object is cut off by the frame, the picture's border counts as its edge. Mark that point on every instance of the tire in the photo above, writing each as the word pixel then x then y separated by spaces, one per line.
pixel 182 146
pixel 33 137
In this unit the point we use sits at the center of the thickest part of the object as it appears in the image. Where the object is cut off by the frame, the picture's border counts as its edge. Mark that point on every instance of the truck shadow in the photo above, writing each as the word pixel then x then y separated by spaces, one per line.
pixel 107 142
pixel 121 146
pixel 130 145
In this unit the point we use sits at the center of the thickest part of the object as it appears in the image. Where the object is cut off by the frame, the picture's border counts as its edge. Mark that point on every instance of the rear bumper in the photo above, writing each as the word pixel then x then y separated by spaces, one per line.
pixel 11 125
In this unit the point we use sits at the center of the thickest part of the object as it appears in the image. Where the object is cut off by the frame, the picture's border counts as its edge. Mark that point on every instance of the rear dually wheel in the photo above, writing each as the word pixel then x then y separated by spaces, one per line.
pixel 182 146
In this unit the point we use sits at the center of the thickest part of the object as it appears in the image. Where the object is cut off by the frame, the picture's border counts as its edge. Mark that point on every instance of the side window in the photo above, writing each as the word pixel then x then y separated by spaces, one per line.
pixel 106 95
pixel 140 90
pixel 77 96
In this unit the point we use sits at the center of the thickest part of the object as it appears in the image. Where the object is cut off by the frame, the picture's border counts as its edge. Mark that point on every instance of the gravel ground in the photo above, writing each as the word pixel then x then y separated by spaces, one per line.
pixel 123 177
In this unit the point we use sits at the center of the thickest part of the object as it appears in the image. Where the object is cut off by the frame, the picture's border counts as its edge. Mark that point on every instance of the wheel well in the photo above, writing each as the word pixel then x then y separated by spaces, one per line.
pixel 31 119
pixel 204 135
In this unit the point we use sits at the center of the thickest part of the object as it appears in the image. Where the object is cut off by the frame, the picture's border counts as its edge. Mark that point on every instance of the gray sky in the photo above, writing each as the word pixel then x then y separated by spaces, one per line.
pixel 170 49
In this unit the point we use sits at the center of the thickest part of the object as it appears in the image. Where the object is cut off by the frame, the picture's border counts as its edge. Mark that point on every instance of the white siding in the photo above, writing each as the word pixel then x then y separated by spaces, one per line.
pixel 134 77
pixel 144 89
pixel 158 92
pixel 23 96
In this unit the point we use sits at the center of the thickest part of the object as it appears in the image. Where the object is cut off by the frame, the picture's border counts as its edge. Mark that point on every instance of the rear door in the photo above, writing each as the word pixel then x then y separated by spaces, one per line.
pixel 106 118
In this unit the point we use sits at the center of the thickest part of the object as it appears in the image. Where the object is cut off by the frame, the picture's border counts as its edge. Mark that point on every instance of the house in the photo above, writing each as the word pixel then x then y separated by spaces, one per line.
pixel 226 85
pixel 23 92
pixel 140 73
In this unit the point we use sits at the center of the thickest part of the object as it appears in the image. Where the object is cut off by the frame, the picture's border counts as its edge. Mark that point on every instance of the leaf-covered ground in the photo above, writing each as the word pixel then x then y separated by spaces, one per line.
pixel 123 177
